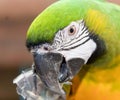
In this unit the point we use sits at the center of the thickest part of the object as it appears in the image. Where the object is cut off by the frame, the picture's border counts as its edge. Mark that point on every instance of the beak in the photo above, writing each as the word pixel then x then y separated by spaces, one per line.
pixel 47 68
pixel 69 69
pixel 53 69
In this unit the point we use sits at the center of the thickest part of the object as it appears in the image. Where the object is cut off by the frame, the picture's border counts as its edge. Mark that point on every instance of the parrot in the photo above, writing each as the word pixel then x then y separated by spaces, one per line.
pixel 76 47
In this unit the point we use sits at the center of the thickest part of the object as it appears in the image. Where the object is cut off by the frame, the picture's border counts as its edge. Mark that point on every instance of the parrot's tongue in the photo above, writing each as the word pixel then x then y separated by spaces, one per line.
pixel 47 67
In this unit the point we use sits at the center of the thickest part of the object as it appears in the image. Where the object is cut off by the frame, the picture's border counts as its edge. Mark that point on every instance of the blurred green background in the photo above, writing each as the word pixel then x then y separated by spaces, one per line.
pixel 15 18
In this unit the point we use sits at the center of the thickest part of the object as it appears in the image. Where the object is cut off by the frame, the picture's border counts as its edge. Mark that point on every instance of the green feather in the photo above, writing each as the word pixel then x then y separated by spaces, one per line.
pixel 61 13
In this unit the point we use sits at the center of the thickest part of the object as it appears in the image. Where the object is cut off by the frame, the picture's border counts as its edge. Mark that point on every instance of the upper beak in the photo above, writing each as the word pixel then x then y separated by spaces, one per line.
pixel 47 68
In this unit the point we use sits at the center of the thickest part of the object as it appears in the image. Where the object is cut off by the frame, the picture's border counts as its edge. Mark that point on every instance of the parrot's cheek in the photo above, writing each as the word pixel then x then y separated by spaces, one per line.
pixel 47 68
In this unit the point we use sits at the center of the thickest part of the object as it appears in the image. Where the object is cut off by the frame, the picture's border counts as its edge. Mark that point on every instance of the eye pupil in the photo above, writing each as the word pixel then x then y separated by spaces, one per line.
pixel 71 30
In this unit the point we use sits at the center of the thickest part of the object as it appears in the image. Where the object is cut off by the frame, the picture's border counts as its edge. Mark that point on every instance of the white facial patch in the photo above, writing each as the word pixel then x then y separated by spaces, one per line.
pixel 74 41
pixel 84 51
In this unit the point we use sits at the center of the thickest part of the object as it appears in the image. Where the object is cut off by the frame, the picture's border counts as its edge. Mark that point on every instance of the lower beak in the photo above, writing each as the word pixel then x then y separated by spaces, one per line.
pixel 47 67
pixel 69 69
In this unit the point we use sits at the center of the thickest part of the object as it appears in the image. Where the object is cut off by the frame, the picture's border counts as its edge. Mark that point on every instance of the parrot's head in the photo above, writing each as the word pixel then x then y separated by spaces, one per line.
pixel 61 43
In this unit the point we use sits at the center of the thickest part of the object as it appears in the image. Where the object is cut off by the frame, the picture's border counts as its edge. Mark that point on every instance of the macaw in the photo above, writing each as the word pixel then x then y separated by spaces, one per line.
pixel 78 42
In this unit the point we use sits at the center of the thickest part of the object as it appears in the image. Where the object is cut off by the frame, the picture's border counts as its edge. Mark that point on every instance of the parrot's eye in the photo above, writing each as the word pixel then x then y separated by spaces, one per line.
pixel 72 30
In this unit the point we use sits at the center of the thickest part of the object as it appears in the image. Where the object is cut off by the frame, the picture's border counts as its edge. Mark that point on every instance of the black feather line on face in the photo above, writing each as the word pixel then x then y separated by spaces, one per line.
pixel 100 50
pixel 77 45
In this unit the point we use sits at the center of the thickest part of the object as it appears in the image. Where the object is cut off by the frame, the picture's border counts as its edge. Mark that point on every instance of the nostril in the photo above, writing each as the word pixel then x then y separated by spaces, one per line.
pixel 45 48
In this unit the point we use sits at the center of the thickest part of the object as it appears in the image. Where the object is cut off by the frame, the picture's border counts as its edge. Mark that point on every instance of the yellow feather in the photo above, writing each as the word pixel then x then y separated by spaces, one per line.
pixel 96 21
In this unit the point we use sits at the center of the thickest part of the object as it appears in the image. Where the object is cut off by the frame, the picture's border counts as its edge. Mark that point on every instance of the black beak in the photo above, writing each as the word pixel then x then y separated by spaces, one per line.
pixel 69 69
pixel 64 72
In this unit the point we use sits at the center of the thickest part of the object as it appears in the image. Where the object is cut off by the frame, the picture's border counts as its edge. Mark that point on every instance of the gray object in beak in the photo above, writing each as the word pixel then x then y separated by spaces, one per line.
pixel 26 87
